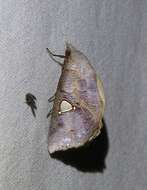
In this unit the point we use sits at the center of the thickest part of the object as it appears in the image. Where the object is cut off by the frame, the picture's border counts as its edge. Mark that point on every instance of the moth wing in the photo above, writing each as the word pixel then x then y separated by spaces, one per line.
pixel 79 104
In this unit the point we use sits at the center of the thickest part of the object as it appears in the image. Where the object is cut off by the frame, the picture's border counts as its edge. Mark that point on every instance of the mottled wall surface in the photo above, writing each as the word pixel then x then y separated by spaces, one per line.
pixel 113 34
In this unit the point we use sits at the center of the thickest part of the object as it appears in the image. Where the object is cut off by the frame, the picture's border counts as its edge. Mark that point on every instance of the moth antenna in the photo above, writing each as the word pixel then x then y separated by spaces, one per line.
pixel 52 56
pixel 56 55
pixel 52 98
pixel 49 113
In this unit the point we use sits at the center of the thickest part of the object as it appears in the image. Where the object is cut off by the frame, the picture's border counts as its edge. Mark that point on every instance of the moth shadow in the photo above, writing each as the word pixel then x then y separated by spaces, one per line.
pixel 90 158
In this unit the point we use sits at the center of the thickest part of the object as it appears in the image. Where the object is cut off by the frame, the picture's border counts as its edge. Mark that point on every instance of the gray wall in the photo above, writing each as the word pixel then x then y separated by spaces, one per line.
pixel 113 34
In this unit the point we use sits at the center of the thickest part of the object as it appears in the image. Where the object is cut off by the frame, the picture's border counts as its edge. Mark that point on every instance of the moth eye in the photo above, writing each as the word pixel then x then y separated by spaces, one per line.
pixel 65 106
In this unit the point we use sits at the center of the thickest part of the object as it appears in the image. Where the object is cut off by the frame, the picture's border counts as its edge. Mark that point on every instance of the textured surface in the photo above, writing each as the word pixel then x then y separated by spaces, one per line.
pixel 113 34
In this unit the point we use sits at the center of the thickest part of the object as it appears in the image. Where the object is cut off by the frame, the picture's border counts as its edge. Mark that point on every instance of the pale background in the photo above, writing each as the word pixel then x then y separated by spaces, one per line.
pixel 113 34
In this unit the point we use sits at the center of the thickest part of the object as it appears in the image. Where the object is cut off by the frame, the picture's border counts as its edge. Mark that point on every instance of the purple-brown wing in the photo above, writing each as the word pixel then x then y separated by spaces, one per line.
pixel 79 104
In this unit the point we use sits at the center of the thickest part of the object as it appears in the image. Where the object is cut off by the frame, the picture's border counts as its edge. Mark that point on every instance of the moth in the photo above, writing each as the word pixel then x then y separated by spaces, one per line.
pixel 78 103
pixel 30 101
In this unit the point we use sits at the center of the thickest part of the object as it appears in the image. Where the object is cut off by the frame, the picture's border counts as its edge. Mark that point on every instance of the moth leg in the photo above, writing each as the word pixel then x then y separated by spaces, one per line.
pixel 52 98
pixel 49 113
pixel 52 56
